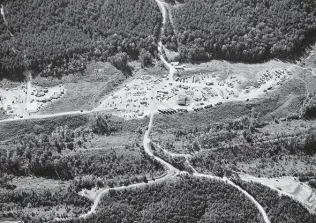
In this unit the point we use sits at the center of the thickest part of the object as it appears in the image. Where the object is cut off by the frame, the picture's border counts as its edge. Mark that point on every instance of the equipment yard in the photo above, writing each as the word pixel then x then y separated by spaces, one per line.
pixel 190 93
pixel 142 95
pixel 23 101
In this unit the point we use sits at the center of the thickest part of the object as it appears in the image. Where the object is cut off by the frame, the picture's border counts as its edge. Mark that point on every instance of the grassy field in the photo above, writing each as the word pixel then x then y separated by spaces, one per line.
pixel 27 183
pixel 200 119
pixel 279 103
pixel 95 71
pixel 5 83
pixel 306 76
pixel 223 69
pixel 130 133
pixel 165 126
pixel 83 91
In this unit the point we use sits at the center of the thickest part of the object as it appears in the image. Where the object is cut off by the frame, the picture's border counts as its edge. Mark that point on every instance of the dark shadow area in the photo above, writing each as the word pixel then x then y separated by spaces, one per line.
pixel 14 76
pixel 128 72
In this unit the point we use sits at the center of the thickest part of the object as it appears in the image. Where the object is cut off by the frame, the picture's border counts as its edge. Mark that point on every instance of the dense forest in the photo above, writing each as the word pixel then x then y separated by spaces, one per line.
pixel 308 110
pixel 55 38
pixel 243 30
pixel 185 200
pixel 63 155
pixel 279 208
pixel 14 203
pixel 59 37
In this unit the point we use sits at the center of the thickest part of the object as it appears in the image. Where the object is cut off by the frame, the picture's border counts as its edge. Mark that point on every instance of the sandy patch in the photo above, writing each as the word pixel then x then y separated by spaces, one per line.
pixel 91 194
pixel 289 186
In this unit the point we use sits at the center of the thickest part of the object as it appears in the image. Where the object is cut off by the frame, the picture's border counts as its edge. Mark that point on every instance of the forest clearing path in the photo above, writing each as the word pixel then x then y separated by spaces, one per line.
pixel 164 13
pixel 2 13
pixel 4 19
pixel 28 77
pixel 132 186
pixel 172 154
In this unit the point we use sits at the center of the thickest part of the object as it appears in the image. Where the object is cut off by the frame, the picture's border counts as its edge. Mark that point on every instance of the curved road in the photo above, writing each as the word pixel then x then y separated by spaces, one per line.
pixel 105 191
pixel 172 71
pixel 171 170
pixel 251 198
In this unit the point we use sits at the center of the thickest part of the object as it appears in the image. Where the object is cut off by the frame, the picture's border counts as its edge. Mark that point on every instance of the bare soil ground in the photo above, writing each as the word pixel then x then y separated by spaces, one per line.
pixel 83 92
pixel 171 55
pixel 113 141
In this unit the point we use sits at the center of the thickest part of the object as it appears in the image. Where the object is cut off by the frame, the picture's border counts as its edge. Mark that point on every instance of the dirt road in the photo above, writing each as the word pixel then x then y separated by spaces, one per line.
pixel 28 78
pixel 164 13
pixel 47 116
pixel 133 186
pixel 3 15
pixel 171 172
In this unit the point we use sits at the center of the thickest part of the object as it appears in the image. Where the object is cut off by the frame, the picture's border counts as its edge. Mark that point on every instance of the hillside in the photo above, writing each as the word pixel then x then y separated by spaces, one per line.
pixel 103 120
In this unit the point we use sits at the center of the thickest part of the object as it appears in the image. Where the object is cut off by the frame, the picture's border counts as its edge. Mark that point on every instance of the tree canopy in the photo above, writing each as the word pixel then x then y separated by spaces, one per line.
pixel 59 37
pixel 244 30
